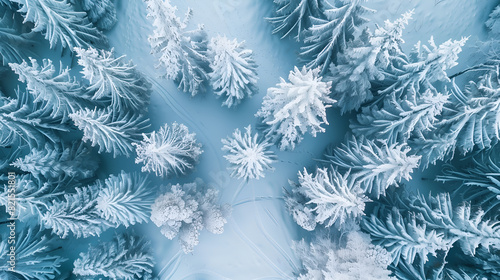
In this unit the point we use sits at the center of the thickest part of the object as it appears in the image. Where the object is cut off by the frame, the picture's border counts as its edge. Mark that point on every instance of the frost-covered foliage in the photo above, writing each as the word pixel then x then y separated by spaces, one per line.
pixel 426 66
pixel 112 132
pixel 422 270
pixel 292 109
pixel 294 16
pixel 33 196
pixel 125 199
pixel 358 259
pixel 34 256
pixel 114 80
pixel 416 225
pixel 234 71
pixel 60 23
pixel 472 121
pixel 13 41
pixel 58 160
pixel 493 22
pixel 76 213
pixel 170 150
pixel 487 264
pixel 59 91
pixel 368 58
pixel 182 53
pixel 22 122
pixel 398 120
pixel 328 197
pixel 478 182
pixel 375 166
pixel 186 210
pixel 404 237
pixel 248 155
pixel 328 35
pixel 126 257
pixel 101 13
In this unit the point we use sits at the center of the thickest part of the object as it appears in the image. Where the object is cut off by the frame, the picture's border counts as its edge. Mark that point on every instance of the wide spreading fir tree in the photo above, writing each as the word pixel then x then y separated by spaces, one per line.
pixel 293 17
pixel 58 90
pixel 126 257
pixel 113 132
pixel 126 199
pixel 102 13
pixel 248 155
pixel 374 165
pixel 172 150
pixel 60 23
pixel 35 256
pixel 182 52
pixel 114 80
pixel 59 160
pixel 22 122
pixel 328 35
pixel 292 109
pixel 185 210
pixel 234 71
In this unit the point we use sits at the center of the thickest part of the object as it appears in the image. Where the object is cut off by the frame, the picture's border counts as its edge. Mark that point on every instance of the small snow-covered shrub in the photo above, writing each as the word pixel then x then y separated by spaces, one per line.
pixel 171 150
pixel 358 259
pixel 186 210
pixel 249 157
pixel 126 257
pixel 234 72
pixel 326 196
pixel 292 109
pixel 101 13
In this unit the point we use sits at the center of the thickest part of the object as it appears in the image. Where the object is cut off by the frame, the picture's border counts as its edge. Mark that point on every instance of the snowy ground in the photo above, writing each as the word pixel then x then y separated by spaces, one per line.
pixel 256 241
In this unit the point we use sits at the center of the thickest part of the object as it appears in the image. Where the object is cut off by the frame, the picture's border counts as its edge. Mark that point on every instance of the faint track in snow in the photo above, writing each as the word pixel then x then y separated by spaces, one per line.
pixel 184 114
pixel 205 272
pixel 175 261
pixel 258 198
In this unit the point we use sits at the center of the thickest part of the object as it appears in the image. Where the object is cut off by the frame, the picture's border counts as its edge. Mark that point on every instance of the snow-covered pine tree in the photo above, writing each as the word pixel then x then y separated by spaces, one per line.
pixel 76 213
pixel 404 236
pixel 426 66
pixel 59 160
pixel 328 35
pixel 234 71
pixel 113 133
pixel 493 22
pixel 375 166
pixel 34 257
pixel 182 52
pixel 367 59
pixel 13 42
pixel 398 120
pixel 59 91
pixel 334 198
pixel 186 210
pixel 22 122
pixel 423 270
pixel 172 150
pixel 60 23
pixel 486 264
pixel 292 109
pixel 114 79
pixel 294 16
pixel 33 196
pixel 126 199
pixel 248 155
pixel 472 121
pixel 101 13
pixel 358 259
pixel 126 257
pixel 479 181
